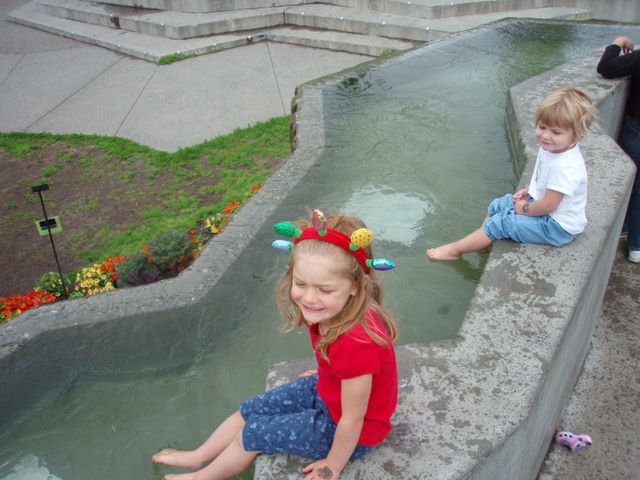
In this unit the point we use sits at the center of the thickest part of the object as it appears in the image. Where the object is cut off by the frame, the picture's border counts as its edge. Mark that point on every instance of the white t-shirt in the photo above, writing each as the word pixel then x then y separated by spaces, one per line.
pixel 565 173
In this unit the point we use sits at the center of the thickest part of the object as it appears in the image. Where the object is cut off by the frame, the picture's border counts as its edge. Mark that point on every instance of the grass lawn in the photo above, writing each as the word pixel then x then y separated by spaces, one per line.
pixel 113 195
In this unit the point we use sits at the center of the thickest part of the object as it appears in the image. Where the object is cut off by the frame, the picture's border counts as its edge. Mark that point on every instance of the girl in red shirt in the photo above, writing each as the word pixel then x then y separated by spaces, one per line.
pixel 342 409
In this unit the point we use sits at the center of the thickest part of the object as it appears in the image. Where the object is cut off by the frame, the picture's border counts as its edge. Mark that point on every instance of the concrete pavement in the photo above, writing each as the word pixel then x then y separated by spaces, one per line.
pixel 49 83
pixel 604 403
pixel 53 84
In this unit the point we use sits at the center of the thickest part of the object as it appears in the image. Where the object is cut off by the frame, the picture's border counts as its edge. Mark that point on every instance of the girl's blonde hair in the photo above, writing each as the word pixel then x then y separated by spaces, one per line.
pixel 567 107
pixel 368 290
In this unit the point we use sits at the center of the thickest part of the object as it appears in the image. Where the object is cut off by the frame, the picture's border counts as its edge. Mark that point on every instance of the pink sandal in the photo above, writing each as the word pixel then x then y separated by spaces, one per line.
pixel 572 441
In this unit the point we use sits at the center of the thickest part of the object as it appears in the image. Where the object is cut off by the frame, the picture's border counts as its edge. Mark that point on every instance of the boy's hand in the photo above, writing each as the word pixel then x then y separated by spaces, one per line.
pixel 307 373
pixel 519 207
pixel 321 470
pixel 521 194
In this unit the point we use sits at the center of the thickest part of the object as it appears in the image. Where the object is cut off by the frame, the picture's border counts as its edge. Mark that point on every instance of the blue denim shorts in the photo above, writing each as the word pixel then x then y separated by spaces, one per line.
pixel 503 222
pixel 292 419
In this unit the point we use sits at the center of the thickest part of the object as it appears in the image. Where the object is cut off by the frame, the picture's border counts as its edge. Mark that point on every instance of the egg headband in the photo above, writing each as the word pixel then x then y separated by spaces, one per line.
pixel 354 245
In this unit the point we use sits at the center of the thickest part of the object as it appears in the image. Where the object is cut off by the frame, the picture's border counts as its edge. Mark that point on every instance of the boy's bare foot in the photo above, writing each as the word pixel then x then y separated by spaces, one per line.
pixel 177 458
pixel 443 252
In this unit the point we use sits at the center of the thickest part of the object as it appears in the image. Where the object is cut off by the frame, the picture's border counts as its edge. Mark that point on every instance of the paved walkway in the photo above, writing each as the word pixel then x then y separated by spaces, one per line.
pixel 605 400
pixel 53 84
pixel 49 83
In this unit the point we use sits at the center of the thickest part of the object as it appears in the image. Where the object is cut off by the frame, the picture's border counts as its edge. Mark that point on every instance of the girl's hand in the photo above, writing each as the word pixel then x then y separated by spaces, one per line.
pixel 307 373
pixel 321 470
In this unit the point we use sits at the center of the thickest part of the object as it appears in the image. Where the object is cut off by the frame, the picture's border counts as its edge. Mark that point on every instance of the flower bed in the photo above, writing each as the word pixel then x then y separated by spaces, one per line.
pixel 166 255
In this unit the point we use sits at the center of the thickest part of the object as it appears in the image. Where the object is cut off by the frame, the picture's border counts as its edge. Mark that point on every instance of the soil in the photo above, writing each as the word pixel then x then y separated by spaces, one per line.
pixel 94 195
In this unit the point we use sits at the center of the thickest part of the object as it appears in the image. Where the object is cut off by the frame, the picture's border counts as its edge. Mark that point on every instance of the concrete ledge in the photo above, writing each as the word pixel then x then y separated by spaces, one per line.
pixel 485 404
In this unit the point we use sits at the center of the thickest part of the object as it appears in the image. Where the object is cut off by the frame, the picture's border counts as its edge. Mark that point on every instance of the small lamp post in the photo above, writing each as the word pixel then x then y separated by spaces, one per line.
pixel 49 224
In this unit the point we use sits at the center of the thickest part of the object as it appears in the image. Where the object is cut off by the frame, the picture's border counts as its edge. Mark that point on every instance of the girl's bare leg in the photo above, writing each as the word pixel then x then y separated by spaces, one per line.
pixel 474 242
pixel 219 440
pixel 232 461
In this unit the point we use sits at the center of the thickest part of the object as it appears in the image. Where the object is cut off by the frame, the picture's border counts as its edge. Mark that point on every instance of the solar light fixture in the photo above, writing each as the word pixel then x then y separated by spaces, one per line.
pixel 50 226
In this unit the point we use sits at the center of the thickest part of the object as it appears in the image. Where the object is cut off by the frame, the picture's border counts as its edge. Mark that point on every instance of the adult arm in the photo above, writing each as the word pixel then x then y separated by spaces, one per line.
pixel 614 65
pixel 354 401
pixel 545 205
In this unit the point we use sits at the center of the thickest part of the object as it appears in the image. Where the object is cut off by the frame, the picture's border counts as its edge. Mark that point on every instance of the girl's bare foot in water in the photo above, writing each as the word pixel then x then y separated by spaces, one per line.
pixel 443 252
pixel 178 458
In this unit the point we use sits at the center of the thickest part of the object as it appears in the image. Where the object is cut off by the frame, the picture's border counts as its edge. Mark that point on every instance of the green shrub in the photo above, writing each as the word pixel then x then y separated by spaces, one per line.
pixel 166 255
pixel 137 270
pixel 172 252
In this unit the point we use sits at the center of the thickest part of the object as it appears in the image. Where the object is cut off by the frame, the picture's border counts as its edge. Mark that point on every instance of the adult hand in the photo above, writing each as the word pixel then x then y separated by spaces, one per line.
pixel 321 470
pixel 625 43
pixel 307 373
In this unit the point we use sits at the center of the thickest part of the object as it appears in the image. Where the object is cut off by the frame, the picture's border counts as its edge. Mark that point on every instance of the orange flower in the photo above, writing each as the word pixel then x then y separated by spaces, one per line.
pixel 16 304
pixel 230 207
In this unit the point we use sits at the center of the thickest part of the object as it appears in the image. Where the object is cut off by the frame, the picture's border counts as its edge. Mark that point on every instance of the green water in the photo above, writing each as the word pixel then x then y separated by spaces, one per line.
pixel 417 147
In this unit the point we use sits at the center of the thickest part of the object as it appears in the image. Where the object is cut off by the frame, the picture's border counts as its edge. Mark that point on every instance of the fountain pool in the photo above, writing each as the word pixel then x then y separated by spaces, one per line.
pixel 415 145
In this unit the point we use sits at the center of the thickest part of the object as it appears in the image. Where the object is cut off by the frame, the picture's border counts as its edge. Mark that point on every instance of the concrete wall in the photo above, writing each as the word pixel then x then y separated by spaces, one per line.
pixel 625 11
pixel 485 404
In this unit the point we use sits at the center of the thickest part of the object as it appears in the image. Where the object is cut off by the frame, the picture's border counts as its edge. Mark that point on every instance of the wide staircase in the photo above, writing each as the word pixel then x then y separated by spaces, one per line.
pixel 172 29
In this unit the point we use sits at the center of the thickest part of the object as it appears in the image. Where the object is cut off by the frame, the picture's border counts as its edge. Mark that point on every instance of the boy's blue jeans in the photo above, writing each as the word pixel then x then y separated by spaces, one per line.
pixel 630 143
pixel 503 222
pixel 293 419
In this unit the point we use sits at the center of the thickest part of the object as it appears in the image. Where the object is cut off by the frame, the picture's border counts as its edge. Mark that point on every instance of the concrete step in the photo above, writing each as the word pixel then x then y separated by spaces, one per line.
pixel 201 6
pixel 370 45
pixel 458 24
pixel 180 25
pixel 154 48
pixel 441 9
pixel 175 25
pixel 432 9
pixel 329 17
pixel 409 28
pixel 153 34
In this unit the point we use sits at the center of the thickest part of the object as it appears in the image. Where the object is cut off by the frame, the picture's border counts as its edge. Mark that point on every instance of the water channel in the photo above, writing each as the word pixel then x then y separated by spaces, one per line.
pixel 416 146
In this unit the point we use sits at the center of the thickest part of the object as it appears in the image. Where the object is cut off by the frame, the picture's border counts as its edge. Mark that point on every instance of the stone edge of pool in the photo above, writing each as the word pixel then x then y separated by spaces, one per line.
pixel 485 404
pixel 478 406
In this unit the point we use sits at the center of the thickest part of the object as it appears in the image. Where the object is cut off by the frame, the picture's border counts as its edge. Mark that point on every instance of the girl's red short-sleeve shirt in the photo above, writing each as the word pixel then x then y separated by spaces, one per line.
pixel 352 355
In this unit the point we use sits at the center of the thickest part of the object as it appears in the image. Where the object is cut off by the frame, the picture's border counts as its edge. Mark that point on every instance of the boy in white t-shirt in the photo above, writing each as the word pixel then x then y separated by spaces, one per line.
pixel 552 209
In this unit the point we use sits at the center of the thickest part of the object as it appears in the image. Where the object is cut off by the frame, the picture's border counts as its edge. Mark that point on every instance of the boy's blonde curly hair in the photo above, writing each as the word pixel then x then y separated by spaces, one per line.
pixel 567 107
